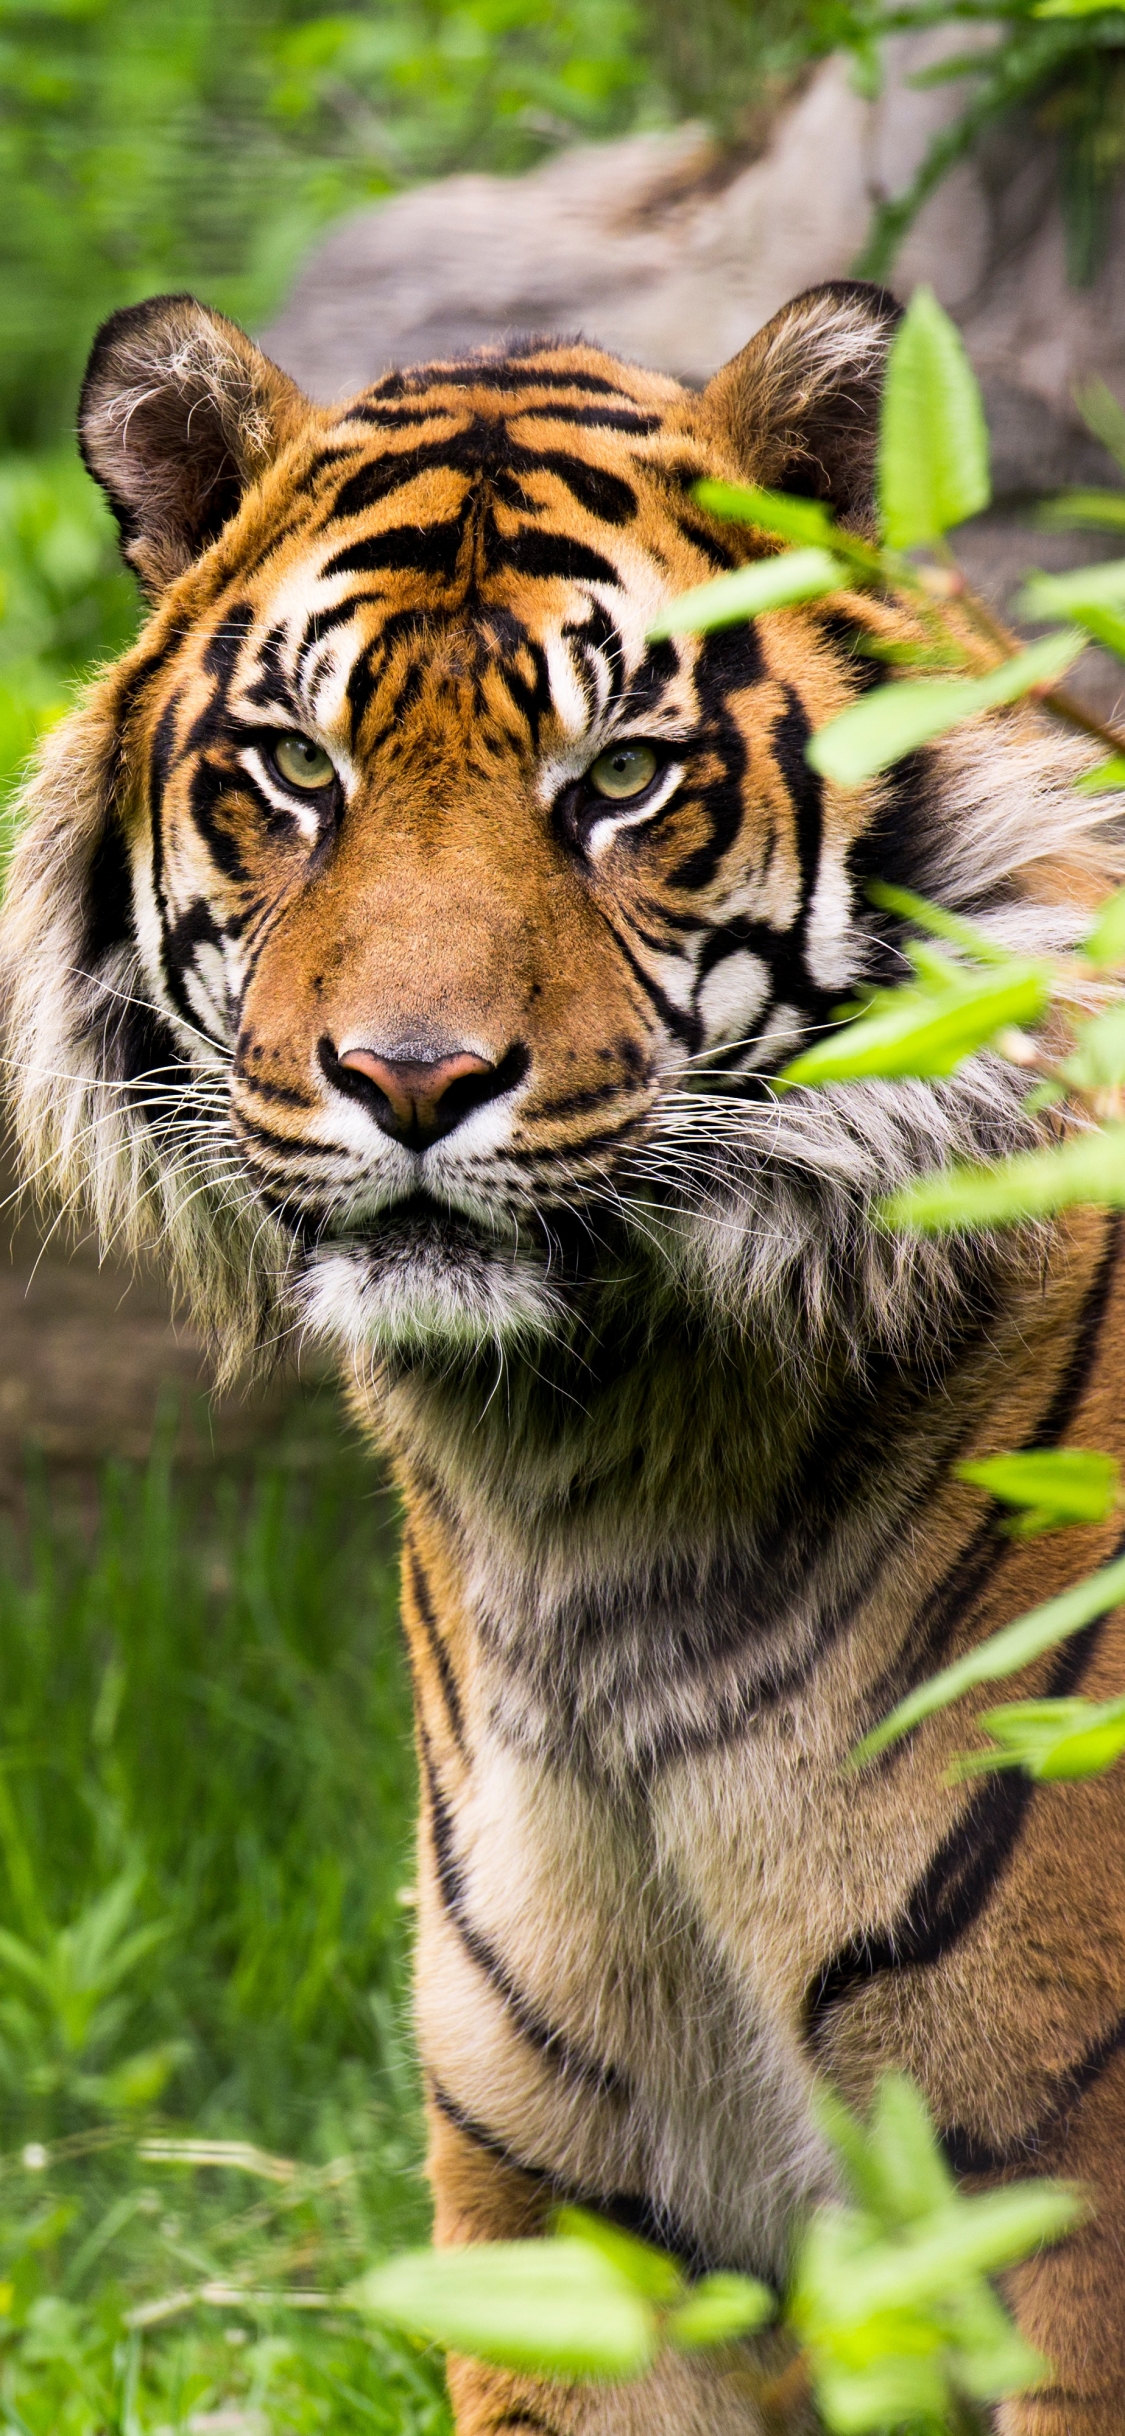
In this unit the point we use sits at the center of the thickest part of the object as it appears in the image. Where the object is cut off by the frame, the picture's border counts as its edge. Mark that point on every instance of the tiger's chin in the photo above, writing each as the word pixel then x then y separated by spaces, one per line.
pixel 426 1285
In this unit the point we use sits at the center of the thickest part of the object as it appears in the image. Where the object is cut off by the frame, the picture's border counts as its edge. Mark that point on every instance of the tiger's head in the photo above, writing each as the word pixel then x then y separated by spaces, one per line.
pixel 406 942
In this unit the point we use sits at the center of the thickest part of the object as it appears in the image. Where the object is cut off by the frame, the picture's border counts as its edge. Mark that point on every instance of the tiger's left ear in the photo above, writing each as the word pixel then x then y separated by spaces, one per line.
pixel 180 412
pixel 800 405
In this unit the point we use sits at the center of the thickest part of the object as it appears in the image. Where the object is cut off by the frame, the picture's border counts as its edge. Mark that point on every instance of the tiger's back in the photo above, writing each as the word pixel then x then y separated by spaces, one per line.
pixel 406 944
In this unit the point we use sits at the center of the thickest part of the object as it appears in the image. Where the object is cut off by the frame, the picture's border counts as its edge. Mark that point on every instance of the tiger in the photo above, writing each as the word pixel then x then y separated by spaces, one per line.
pixel 405 946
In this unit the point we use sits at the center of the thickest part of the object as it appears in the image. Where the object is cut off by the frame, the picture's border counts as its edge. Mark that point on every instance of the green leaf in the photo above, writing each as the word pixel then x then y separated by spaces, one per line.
pixel 889 2297
pixel 1057 1485
pixel 1073 8
pixel 893 2163
pixel 652 2273
pixel 800 520
pixel 1004 1653
pixel 893 2393
pixel 919 2266
pixel 939 920
pixel 926 1027
pixel 1052 1740
pixel 1105 510
pixel 1106 775
pixel 558 2308
pixel 1052 596
pixel 769 583
pixel 720 2309
pixel 1088 1168
pixel 932 467
pixel 895 720
pixel 1104 626
pixel 1097 405
pixel 1104 946
pixel 1097 1062
pixel 797 520
pixel 989 2355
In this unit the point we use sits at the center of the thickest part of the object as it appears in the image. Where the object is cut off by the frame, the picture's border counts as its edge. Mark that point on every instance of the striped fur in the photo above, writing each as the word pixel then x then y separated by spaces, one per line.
pixel 674 1421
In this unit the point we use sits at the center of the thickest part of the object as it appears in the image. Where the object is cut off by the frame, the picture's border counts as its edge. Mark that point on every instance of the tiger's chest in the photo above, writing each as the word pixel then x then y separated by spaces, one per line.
pixel 612 1978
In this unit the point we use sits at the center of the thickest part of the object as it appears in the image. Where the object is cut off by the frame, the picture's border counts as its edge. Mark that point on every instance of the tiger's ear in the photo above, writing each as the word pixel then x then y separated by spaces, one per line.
pixel 800 404
pixel 180 412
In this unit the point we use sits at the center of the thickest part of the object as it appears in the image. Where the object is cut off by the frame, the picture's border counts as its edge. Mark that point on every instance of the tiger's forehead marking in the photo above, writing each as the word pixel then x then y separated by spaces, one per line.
pixel 523 529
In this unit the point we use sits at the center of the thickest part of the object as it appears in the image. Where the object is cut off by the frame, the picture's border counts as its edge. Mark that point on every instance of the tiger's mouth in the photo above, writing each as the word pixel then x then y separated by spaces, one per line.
pixel 419 1276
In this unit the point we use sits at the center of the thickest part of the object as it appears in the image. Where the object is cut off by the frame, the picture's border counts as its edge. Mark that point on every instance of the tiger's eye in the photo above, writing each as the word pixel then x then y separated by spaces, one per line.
pixel 303 763
pixel 627 769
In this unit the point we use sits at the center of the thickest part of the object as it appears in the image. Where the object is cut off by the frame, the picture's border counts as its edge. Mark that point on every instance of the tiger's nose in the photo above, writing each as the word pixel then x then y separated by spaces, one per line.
pixel 417 1100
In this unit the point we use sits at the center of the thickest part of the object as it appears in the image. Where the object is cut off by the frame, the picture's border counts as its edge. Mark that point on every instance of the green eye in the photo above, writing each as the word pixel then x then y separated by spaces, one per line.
pixel 627 769
pixel 303 763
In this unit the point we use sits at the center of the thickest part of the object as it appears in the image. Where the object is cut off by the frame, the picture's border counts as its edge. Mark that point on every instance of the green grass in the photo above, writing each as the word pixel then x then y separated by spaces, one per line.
pixel 206 1793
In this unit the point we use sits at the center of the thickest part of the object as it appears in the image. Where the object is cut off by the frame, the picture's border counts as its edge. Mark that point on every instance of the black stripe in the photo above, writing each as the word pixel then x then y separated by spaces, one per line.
pixel 603 2079
pixel 485 445
pixel 728 662
pixel 418 549
pixel 960 1877
pixel 508 372
pixel 396 415
pixel 321 622
pixel 967 1579
pixel 789 736
pixel 968 2155
pixel 1068 1394
pixel 548 555
pixel 526 2419
pixel 420 1591
pixel 687 1028
pixel 138 678
pixel 634 2211
pixel 595 418
pixel 290 1146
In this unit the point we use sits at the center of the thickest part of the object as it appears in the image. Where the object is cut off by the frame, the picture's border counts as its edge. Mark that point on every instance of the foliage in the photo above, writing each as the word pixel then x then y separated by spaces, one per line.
pixel 727 61
pixel 931 397
pixel 208 2120
pixel 1049 1486
pixel 146 148
pixel 65 600
pixel 1059 63
pixel 888 2311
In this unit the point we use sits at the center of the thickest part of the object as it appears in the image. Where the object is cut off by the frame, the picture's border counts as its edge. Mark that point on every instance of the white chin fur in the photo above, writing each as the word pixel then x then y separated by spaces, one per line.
pixel 425 1302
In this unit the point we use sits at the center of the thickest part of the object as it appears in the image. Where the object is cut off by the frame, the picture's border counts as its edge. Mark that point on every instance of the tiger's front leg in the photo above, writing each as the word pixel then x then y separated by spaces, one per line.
pixel 478 2198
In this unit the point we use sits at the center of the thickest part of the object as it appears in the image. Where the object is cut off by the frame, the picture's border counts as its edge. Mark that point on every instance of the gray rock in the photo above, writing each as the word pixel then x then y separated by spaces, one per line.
pixel 648 246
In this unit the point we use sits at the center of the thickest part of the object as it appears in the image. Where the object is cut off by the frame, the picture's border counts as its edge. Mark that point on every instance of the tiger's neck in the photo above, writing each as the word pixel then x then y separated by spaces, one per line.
pixel 679 1526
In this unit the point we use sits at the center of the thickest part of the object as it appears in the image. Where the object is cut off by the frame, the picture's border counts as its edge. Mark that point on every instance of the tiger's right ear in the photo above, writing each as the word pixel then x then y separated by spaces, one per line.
pixel 180 412
pixel 799 406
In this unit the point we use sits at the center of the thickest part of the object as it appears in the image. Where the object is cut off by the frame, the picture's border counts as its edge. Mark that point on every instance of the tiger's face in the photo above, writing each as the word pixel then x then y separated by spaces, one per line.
pixel 434 934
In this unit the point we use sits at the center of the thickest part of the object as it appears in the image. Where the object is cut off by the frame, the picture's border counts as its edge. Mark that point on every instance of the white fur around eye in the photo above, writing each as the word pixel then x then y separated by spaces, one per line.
pixel 625 815
pixel 301 806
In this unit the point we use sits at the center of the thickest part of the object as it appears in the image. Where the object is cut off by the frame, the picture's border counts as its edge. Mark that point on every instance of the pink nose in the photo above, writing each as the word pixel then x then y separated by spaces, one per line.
pixel 417 1100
